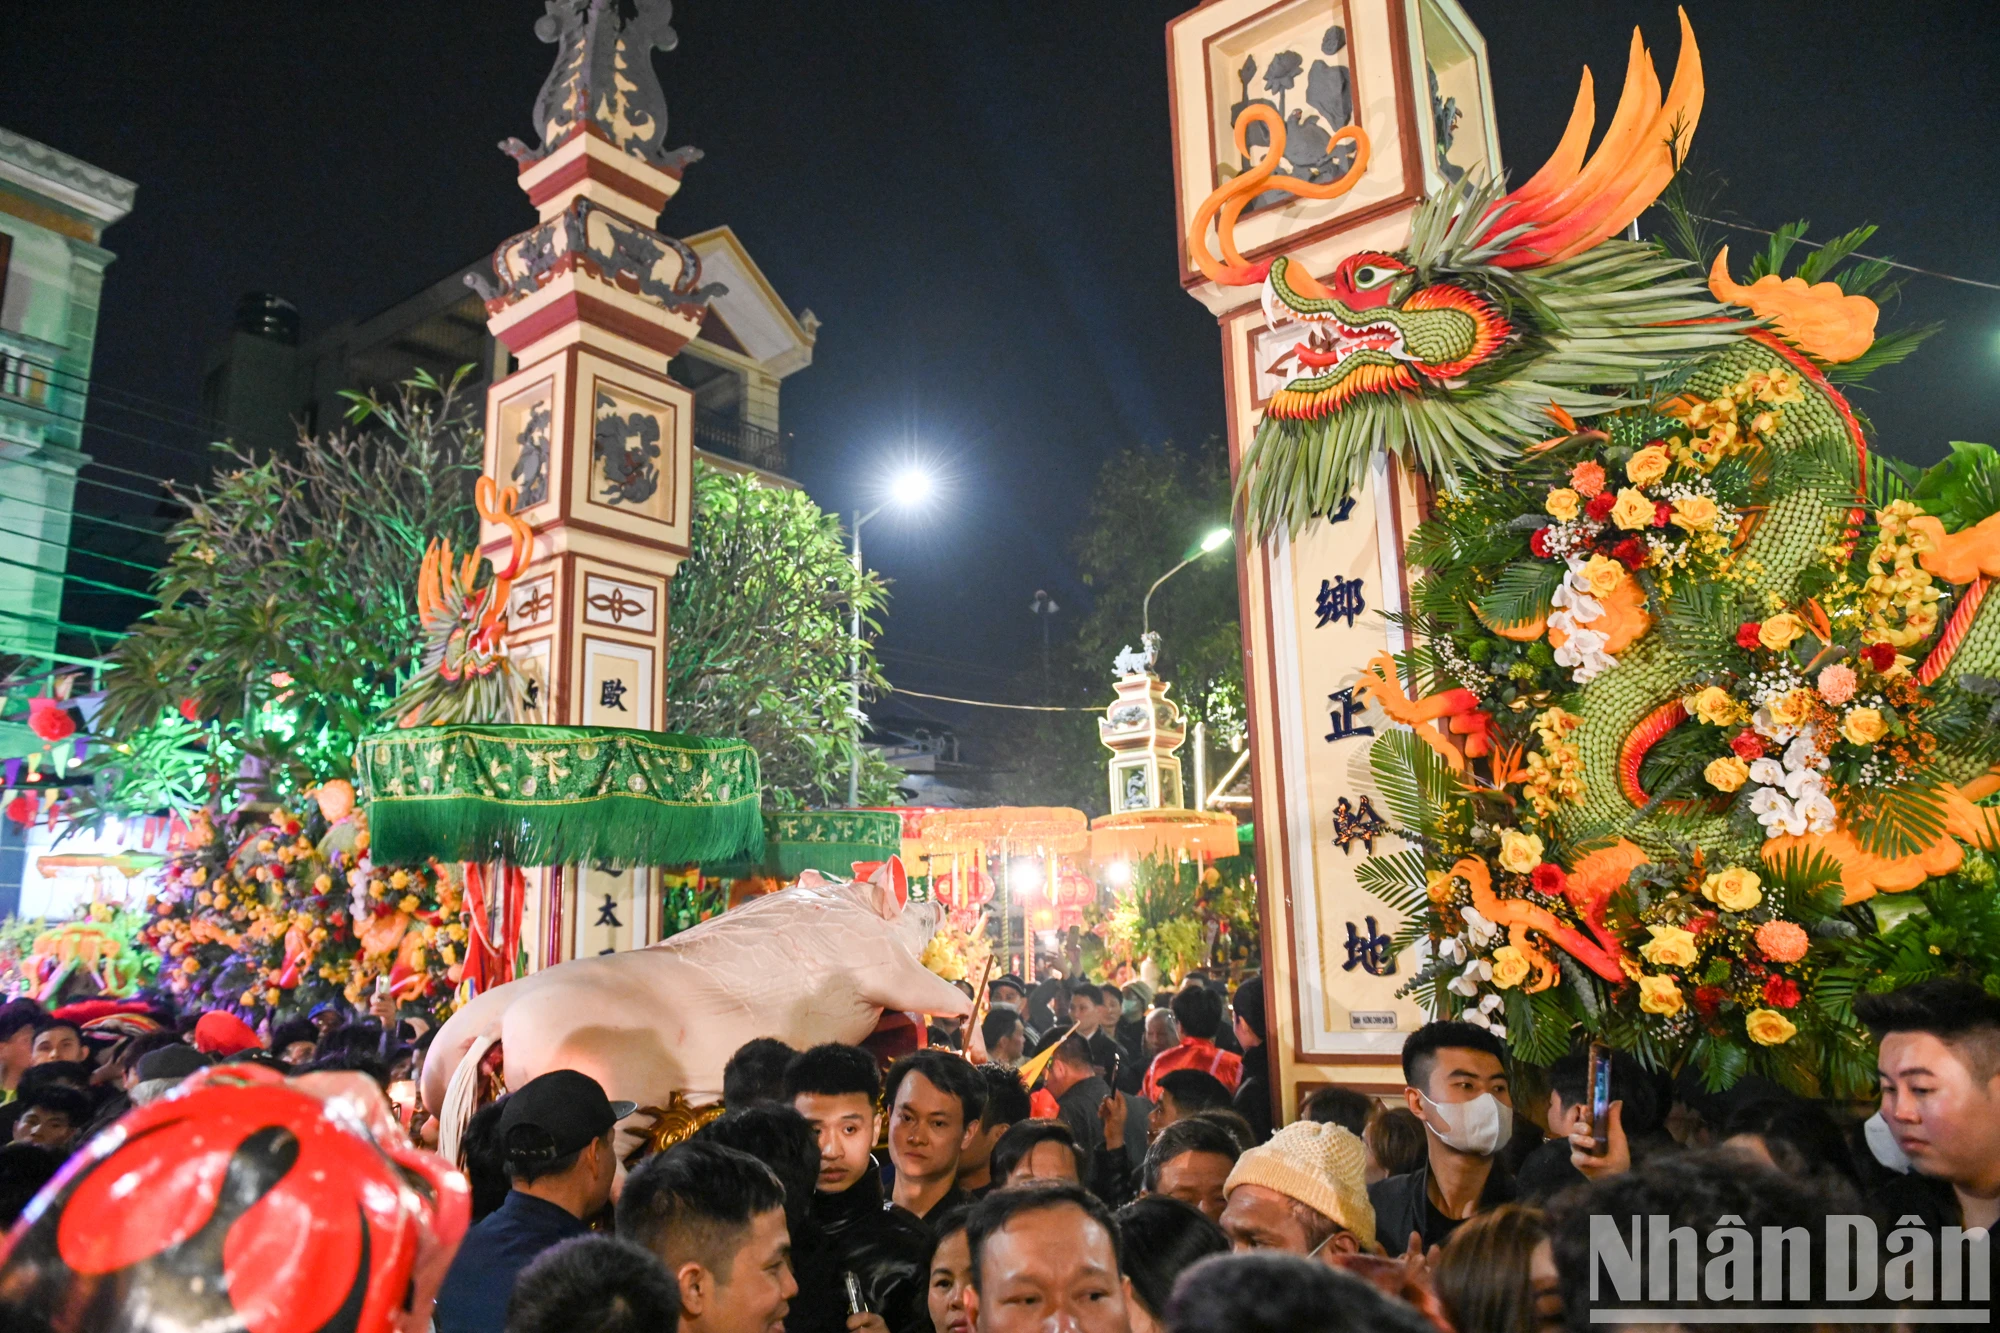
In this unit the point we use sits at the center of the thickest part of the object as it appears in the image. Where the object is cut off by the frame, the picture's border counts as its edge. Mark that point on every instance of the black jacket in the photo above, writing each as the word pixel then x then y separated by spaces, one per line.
pixel 1110 1175
pixel 1402 1205
pixel 1253 1093
pixel 887 1248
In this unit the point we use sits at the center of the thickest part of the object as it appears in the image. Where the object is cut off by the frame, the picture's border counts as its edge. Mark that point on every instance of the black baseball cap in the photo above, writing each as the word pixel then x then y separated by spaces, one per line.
pixel 1008 979
pixel 559 1113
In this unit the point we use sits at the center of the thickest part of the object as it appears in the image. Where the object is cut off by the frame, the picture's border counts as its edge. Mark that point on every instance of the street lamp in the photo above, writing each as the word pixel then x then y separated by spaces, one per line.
pixel 1214 541
pixel 908 489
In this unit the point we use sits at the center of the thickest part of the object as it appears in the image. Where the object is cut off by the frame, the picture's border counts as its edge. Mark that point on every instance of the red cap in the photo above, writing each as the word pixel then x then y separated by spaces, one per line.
pixel 219 1032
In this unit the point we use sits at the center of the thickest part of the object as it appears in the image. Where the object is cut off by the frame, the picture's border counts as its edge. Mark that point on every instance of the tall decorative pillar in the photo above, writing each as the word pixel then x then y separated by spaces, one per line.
pixel 590 429
pixel 1412 75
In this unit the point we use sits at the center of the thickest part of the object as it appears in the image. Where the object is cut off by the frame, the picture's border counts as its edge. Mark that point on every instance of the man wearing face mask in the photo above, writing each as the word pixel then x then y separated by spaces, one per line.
pixel 1455 1078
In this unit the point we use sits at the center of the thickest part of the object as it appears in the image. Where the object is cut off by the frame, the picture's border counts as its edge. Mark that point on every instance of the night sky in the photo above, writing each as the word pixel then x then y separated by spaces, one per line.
pixel 975 198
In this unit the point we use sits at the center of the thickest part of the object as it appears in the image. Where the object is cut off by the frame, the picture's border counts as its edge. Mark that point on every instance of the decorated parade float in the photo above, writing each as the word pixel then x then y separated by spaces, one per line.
pixel 1674 703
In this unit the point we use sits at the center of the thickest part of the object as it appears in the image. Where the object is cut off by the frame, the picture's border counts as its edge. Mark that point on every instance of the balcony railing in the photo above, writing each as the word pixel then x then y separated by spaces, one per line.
pixel 24 379
pixel 740 440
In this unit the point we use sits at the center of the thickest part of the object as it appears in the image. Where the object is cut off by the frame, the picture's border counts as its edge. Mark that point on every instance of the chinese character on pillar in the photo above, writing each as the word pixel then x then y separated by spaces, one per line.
pixel 590 429
pixel 1352 112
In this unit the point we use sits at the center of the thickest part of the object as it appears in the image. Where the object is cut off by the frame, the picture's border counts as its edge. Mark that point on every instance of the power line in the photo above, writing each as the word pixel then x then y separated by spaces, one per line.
pixel 92 630
pixel 78 578
pixel 985 703
pixel 82 513
pixel 1821 245
pixel 70 549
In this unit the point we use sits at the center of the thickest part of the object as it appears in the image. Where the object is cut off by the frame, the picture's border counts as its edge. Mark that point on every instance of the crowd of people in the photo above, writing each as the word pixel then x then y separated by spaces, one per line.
pixel 1132 1182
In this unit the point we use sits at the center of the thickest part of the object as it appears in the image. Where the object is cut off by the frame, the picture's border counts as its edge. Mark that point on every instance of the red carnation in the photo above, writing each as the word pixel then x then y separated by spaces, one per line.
pixel 48 719
pixel 1548 877
pixel 1630 553
pixel 1538 542
pixel 1702 924
pixel 1747 745
pixel 1747 632
pixel 1781 992
pixel 1662 511
pixel 1601 505
pixel 1881 656
pixel 190 709
pixel 1707 999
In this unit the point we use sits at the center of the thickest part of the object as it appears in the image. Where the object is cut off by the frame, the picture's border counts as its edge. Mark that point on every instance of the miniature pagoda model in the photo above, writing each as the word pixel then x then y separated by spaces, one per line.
pixel 1142 728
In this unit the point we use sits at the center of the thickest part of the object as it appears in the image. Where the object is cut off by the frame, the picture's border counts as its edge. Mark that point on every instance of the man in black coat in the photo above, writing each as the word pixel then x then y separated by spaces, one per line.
pixel 836 1088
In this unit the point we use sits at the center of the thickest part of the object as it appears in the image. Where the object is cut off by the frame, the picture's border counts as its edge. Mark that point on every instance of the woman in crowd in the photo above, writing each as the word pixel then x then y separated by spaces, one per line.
pixel 1497 1274
pixel 951 1274
pixel 1161 1238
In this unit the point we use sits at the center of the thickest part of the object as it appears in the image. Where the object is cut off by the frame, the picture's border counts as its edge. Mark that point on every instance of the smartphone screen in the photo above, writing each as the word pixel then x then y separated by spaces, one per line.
pixel 1600 1097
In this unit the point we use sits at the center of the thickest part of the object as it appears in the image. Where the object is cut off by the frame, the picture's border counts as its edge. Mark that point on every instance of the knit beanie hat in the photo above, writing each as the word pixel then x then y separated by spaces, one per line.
pixel 1321 1166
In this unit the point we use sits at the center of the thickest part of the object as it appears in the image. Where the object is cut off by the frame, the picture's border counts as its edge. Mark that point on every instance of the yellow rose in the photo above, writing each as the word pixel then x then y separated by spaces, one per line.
pixel 1563 504
pixel 1727 773
pixel 1713 706
pixel 1510 967
pixel 1648 465
pixel 1519 852
pixel 1670 947
pixel 1864 726
pixel 1733 890
pixel 1778 632
pixel 1603 575
pixel 1696 513
pixel 1768 1027
pixel 1633 510
pixel 1792 709
pixel 1659 995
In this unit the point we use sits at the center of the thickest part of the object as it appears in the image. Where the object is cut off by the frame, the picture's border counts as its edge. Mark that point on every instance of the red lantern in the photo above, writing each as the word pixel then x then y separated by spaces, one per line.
pixel 1073 889
pixel 48 719
pixel 958 891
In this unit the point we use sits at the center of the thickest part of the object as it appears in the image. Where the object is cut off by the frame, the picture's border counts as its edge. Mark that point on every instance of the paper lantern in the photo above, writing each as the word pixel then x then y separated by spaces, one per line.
pixel 960 890
pixel 1073 888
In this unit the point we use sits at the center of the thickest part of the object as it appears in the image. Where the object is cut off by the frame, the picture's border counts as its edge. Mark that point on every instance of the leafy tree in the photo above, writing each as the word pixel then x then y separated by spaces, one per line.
pixel 1149 511
pixel 288 619
pixel 288 601
pixel 760 639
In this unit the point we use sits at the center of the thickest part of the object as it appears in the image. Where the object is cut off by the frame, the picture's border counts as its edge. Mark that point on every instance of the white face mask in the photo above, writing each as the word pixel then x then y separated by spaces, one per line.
pixel 1882 1142
pixel 1478 1127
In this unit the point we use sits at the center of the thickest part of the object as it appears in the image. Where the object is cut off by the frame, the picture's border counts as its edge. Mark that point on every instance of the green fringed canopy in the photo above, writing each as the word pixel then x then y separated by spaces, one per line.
pixel 829 841
pixel 538 796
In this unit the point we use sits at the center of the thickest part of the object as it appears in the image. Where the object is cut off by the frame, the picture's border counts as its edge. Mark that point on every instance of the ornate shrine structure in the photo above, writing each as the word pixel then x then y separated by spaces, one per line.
pixel 592 301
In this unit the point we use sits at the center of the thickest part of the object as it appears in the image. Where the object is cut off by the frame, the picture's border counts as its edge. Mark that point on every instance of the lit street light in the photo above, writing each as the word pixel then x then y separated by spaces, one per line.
pixel 1214 541
pixel 908 489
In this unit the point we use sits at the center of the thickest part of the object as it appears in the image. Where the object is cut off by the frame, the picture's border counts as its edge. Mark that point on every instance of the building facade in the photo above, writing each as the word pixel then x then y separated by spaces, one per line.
pixel 261 384
pixel 53 212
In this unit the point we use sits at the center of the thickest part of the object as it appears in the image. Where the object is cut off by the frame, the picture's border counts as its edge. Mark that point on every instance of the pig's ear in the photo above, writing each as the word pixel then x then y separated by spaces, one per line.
pixel 887 886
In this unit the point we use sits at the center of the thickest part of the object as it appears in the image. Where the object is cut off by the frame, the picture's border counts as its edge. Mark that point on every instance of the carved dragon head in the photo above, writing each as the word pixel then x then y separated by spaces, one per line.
pixel 1450 350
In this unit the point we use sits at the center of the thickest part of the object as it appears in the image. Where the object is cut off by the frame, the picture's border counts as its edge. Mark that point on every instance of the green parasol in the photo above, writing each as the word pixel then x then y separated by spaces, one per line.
pixel 559 796
pixel 829 841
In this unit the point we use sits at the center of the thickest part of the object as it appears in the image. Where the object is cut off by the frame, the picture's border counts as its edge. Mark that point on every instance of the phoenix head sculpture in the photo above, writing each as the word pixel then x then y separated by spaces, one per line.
pixel 1452 349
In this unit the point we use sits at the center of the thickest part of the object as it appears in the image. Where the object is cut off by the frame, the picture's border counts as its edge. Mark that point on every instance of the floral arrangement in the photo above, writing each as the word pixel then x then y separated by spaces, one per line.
pixel 1181 915
pixel 1696 686
pixel 271 917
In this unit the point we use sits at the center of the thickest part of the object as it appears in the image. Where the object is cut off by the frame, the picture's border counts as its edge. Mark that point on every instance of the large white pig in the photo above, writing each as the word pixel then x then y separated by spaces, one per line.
pixel 814 963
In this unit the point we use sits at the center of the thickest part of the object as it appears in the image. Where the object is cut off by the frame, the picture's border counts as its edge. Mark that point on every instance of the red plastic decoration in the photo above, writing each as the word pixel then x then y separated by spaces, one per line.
pixel 49 719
